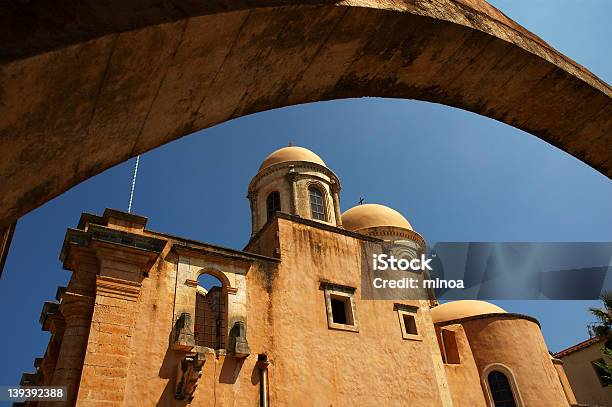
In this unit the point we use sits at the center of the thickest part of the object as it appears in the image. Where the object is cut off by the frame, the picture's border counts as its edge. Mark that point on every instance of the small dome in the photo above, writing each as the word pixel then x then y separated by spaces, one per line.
pixel 291 154
pixel 372 215
pixel 462 309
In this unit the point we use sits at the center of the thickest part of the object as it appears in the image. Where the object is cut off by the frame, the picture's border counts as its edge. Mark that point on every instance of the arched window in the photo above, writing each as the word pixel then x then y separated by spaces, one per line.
pixel 501 392
pixel 317 208
pixel 273 203
pixel 210 325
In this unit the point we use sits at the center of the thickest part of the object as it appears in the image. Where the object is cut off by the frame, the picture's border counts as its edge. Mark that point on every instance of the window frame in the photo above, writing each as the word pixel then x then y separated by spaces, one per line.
pixel 222 330
pixel 322 195
pixel 411 311
pixel 346 294
pixel 270 213
pixel 516 394
pixel 444 349
pixel 507 388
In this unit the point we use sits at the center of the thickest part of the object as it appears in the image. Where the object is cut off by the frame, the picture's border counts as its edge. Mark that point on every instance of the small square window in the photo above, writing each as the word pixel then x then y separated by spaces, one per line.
pixel 408 318
pixel 340 307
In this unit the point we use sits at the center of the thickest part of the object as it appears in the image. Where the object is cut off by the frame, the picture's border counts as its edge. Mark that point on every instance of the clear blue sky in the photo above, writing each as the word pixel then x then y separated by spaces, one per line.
pixel 455 175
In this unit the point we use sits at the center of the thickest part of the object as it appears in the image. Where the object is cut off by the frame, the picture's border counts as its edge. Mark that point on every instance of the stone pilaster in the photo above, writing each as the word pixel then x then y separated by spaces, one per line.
pixel 335 188
pixel 292 178
pixel 113 322
pixel 56 324
pixel 76 310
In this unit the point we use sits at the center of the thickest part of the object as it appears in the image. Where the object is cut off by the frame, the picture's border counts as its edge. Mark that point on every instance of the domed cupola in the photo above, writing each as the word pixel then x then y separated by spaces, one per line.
pixel 296 181
pixel 384 223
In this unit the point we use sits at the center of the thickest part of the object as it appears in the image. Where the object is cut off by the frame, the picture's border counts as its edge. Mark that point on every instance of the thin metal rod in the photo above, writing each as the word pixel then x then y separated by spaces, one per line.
pixel 133 184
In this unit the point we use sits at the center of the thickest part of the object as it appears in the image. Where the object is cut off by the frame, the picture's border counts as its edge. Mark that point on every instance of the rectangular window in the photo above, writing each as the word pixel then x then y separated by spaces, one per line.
pixel 448 345
pixel 408 318
pixel 410 324
pixel 316 203
pixel 340 307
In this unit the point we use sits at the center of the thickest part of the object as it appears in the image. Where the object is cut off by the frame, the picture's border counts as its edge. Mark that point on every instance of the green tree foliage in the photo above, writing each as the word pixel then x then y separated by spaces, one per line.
pixel 602 328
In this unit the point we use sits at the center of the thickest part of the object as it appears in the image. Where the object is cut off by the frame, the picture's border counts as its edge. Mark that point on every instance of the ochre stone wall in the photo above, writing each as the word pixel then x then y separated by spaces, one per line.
pixel 517 343
pixel 117 323
pixel 463 378
pixel 130 361
pixel 313 365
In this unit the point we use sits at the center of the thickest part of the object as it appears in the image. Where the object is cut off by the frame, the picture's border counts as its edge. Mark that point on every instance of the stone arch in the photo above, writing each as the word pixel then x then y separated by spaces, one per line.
pixel 211 312
pixel 225 281
pixel 511 380
pixel 85 88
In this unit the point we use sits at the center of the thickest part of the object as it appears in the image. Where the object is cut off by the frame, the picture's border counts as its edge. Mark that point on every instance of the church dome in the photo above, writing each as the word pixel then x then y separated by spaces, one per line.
pixel 450 311
pixel 291 153
pixel 373 215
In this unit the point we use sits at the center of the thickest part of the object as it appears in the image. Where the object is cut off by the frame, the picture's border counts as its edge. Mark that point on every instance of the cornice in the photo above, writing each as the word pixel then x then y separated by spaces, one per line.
pixel 117 288
pixel 312 223
pixel 296 164
pixel 205 250
pixel 395 231
pixel 498 315
pixel 103 234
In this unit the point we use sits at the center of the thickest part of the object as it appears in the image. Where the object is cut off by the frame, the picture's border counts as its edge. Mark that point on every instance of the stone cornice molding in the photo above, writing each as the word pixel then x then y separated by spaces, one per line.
pixel 395 232
pixel 117 288
pixel 50 311
pixel 231 255
pixel 89 218
pixel 297 166
pixel 98 239
pixel 499 315
pixel 309 222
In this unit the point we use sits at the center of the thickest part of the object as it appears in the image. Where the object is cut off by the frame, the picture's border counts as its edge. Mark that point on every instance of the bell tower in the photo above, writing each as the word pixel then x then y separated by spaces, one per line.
pixel 296 181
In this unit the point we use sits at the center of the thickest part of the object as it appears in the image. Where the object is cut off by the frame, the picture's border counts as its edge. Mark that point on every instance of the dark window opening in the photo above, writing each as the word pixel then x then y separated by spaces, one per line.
pixel 410 324
pixel 341 310
pixel 210 325
pixel 450 351
pixel 604 377
pixel 317 209
pixel 273 203
pixel 500 390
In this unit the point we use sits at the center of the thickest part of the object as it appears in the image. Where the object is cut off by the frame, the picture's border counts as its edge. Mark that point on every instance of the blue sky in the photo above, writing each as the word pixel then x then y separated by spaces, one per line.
pixel 455 175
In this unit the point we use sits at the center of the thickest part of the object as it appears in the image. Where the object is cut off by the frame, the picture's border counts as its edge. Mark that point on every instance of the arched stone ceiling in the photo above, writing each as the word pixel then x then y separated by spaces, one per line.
pixel 85 85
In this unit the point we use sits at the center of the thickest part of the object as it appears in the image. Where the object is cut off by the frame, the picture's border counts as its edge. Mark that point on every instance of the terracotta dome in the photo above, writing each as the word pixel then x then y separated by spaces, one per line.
pixel 462 309
pixel 373 215
pixel 291 154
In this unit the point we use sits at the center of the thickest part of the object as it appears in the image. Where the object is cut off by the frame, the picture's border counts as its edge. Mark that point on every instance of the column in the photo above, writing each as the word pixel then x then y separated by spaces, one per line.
pixel 336 198
pixel 292 177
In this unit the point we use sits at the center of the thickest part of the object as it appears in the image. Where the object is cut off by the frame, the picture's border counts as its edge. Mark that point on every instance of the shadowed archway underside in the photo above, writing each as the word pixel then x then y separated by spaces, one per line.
pixel 85 85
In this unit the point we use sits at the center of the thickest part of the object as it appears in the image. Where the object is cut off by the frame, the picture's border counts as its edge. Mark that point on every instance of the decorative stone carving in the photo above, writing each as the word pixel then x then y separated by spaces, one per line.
pixel 188 373
pixel 183 338
pixel 238 345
